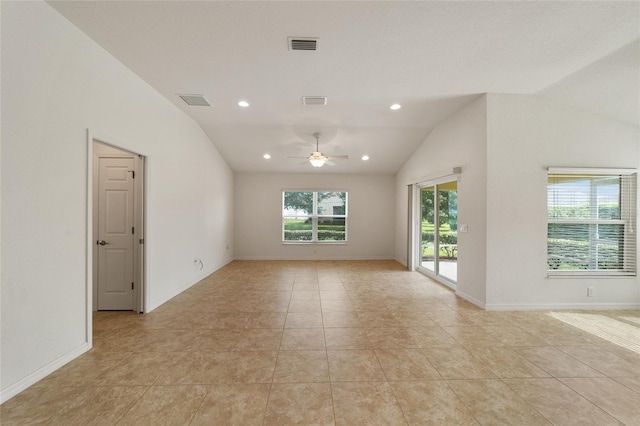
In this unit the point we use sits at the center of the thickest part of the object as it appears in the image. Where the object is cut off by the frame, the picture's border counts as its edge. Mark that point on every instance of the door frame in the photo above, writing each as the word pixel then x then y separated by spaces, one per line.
pixel 140 259
pixel 416 230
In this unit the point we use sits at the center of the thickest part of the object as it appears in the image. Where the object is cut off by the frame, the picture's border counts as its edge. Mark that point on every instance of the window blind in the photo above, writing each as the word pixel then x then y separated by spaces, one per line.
pixel 591 222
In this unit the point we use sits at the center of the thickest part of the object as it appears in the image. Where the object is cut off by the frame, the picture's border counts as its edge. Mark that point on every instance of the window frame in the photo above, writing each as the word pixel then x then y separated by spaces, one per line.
pixel 627 219
pixel 315 217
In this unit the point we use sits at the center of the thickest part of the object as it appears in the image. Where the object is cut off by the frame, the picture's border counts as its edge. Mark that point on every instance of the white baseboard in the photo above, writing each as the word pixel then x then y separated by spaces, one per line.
pixel 313 257
pixel 563 306
pixel 41 373
pixel 471 299
pixel 164 299
pixel 403 262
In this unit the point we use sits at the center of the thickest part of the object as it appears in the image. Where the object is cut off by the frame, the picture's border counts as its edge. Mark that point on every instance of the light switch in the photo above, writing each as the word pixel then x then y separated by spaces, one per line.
pixel 463 228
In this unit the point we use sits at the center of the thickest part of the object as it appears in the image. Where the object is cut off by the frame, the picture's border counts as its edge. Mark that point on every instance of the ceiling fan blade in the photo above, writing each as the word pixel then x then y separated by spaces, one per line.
pixel 318 159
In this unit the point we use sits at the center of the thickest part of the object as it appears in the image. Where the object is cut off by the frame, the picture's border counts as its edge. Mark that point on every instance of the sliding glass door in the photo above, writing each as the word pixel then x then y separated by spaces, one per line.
pixel 448 230
pixel 427 229
pixel 438 230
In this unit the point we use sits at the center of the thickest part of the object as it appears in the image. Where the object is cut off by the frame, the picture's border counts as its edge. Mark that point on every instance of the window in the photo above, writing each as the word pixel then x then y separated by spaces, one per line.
pixel 317 217
pixel 591 222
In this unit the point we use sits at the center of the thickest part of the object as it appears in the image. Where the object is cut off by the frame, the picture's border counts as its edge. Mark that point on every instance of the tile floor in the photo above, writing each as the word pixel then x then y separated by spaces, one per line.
pixel 346 343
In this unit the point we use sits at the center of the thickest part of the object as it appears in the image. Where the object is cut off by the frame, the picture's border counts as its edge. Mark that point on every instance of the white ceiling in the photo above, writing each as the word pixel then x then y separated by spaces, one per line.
pixel 431 57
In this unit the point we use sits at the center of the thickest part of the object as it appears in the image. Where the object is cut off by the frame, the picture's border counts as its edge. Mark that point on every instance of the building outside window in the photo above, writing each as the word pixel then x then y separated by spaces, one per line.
pixel 314 217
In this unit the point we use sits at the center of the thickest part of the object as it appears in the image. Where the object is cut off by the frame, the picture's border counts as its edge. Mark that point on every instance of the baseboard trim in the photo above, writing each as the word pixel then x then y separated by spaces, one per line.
pixel 164 299
pixel 402 262
pixel 42 372
pixel 563 306
pixel 313 257
pixel 471 299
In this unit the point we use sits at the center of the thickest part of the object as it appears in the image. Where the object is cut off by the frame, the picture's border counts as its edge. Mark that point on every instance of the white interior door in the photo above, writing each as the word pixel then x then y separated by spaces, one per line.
pixel 116 233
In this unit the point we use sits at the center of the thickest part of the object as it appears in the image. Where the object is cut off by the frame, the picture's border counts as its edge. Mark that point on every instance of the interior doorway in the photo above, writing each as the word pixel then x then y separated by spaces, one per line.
pixel 118 229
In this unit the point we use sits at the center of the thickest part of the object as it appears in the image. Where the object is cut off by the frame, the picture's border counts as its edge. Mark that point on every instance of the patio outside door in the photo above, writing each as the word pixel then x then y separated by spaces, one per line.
pixel 438 230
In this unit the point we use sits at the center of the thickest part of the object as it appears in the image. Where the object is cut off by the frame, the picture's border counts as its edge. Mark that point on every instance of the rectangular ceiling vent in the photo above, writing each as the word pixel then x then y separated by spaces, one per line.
pixel 314 100
pixel 303 43
pixel 195 100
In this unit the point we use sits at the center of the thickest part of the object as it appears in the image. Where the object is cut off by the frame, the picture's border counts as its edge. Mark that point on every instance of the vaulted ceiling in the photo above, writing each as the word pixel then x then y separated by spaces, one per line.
pixel 430 57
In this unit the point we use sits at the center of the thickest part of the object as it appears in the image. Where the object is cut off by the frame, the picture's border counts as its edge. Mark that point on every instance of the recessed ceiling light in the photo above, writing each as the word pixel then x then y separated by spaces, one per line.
pixel 243 104
pixel 365 157
pixel 266 156
pixel 396 106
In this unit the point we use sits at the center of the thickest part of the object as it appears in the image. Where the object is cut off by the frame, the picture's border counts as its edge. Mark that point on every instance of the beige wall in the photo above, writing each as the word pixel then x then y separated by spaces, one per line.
pixel 528 134
pixel 258 216
pixel 504 144
pixel 56 84
pixel 459 141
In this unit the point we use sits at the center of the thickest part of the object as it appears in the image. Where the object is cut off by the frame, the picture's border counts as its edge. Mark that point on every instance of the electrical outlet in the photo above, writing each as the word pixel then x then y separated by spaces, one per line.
pixel 198 264
pixel 463 228
pixel 589 291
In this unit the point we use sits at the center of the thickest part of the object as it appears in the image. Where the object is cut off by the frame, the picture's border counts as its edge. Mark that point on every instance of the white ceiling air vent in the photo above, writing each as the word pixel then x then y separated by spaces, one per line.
pixel 303 43
pixel 314 100
pixel 195 100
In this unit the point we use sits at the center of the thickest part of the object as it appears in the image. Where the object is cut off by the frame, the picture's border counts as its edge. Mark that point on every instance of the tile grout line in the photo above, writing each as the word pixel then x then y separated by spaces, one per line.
pixel 525 401
pixel 195 414
pixel 275 366
pixel 133 404
pixel 326 352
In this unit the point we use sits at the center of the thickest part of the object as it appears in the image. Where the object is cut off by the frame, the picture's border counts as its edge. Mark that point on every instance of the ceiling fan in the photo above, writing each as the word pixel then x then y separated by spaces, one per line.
pixel 318 159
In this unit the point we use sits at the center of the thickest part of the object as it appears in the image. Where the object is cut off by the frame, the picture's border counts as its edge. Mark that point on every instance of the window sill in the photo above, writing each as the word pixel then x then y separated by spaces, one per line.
pixel 341 243
pixel 591 276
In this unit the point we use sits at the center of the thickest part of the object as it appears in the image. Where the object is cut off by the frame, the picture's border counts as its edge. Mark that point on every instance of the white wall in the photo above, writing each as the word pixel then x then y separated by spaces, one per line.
pixel 504 144
pixel 527 134
pixel 258 216
pixel 56 84
pixel 459 141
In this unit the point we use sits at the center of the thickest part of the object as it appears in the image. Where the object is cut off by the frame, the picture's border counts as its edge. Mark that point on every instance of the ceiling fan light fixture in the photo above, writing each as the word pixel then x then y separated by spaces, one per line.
pixel 317 159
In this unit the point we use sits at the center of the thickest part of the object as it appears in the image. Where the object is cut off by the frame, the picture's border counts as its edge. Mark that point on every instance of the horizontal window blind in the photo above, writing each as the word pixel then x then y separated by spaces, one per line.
pixel 591 222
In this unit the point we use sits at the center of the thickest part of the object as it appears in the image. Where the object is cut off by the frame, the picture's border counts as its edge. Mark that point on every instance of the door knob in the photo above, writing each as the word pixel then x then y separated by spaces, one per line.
pixel 102 242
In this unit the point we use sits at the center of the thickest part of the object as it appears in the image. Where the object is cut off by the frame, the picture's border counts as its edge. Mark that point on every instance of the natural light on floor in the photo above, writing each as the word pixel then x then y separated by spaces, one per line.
pixel 632 319
pixel 618 332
